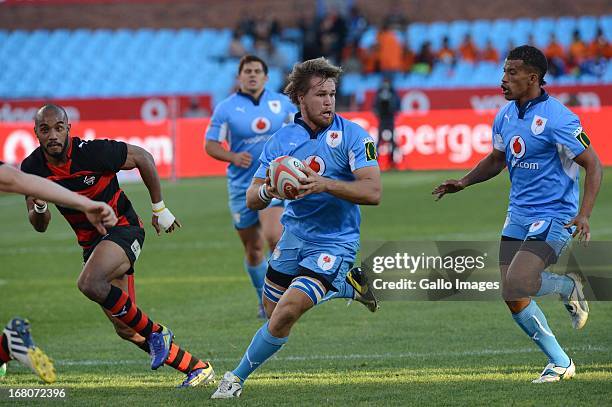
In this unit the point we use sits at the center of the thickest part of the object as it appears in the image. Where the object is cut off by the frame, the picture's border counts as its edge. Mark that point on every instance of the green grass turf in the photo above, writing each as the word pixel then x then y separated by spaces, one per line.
pixel 468 353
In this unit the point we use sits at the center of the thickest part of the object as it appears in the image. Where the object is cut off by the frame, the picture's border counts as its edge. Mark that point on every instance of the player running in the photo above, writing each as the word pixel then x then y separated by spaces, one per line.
pixel 16 341
pixel 321 229
pixel 246 120
pixel 543 145
pixel 89 168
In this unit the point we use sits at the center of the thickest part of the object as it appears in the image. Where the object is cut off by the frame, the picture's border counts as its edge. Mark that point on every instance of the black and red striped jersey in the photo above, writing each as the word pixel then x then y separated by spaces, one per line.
pixel 90 171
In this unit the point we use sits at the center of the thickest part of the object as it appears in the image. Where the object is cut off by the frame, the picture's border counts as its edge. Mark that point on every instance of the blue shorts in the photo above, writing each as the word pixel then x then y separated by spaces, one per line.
pixel 547 229
pixel 242 216
pixel 327 261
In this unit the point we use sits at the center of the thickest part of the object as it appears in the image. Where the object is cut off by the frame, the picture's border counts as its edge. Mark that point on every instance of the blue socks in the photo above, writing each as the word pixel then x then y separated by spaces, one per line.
pixel 533 322
pixel 257 274
pixel 555 283
pixel 261 348
pixel 344 291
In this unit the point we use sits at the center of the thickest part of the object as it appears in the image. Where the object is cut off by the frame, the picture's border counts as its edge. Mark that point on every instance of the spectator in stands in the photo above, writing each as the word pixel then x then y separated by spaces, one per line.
pixel 468 50
pixel 370 59
pixel 386 107
pixel 236 48
pixel 408 58
pixel 246 24
pixel 424 59
pixel 489 53
pixel 600 47
pixel 446 55
pixel 555 54
pixel 309 26
pixel 390 51
pixel 577 53
pixel 352 59
pixel 333 32
pixel 356 25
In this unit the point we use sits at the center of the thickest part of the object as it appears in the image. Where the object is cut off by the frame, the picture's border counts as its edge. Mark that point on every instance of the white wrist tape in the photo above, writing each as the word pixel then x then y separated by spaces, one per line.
pixel 40 209
pixel 165 218
pixel 263 194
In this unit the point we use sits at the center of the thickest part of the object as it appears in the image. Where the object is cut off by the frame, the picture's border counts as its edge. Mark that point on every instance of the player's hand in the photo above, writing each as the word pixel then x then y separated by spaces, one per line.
pixel 165 221
pixel 312 184
pixel 447 187
pixel 583 230
pixel 242 160
pixel 39 202
pixel 271 189
pixel 100 215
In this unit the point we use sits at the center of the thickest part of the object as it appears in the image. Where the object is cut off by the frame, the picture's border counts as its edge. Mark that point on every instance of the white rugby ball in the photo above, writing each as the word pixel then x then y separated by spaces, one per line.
pixel 285 172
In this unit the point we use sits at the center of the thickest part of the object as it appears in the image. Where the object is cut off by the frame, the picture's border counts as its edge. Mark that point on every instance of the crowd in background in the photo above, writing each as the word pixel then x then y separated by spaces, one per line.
pixel 336 32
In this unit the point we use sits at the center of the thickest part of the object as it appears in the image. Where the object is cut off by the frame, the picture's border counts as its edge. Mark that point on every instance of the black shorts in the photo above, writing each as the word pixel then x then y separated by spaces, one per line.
pixel 129 238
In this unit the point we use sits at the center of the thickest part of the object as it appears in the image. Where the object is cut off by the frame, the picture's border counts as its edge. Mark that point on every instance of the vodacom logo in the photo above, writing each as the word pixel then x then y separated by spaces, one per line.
pixel 18 145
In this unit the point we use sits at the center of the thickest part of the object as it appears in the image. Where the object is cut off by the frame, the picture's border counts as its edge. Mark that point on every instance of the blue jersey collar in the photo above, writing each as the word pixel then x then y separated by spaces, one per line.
pixel 522 110
pixel 251 98
pixel 297 119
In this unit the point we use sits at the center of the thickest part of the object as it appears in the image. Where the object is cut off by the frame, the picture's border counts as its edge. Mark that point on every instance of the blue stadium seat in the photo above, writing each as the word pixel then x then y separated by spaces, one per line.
pixel 542 30
pixel 564 29
pixel 481 32
pixel 500 33
pixel 587 25
pixel 417 34
pixel 368 38
pixel 457 31
pixel 436 33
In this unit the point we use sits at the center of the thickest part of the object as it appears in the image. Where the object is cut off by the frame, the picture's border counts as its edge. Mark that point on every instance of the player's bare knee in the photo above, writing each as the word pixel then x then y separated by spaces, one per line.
pixel 282 319
pixel 517 306
pixel 254 254
pixel 92 287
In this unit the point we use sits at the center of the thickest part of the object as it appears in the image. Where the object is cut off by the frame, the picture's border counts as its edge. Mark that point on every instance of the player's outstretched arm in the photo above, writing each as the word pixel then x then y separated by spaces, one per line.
pixel 13 180
pixel 365 190
pixel 260 194
pixel 486 169
pixel 216 151
pixel 138 157
pixel 592 182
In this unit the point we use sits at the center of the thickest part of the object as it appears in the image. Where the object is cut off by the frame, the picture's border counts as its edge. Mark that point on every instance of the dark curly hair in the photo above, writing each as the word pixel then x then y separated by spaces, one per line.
pixel 532 58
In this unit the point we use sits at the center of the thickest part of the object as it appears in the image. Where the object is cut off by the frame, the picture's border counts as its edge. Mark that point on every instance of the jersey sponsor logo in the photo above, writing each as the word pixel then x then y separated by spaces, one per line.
pixel 333 138
pixel 538 124
pixel 260 125
pixel 316 163
pixel 135 249
pixel 326 261
pixel 275 106
pixel 537 225
pixel 370 149
pixel 517 147
pixel 583 139
pixel 89 180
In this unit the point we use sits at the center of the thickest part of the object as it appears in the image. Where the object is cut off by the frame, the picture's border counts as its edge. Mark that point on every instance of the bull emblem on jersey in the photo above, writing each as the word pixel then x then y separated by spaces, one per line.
pixel 275 106
pixel 326 261
pixel 333 138
pixel 538 124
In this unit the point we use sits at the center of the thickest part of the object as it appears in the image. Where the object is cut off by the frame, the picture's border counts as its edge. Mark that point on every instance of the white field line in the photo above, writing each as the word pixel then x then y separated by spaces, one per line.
pixel 172 246
pixel 353 356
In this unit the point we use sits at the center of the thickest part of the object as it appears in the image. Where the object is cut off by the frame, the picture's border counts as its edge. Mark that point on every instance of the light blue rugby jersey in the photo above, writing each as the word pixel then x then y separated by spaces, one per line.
pixel 334 152
pixel 540 141
pixel 247 124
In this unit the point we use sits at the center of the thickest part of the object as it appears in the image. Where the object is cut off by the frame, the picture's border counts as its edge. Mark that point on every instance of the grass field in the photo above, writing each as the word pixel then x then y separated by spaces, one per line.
pixel 460 353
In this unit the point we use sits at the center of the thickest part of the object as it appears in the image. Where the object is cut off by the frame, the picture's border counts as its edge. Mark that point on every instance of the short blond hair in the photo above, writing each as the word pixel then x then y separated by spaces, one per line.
pixel 299 78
